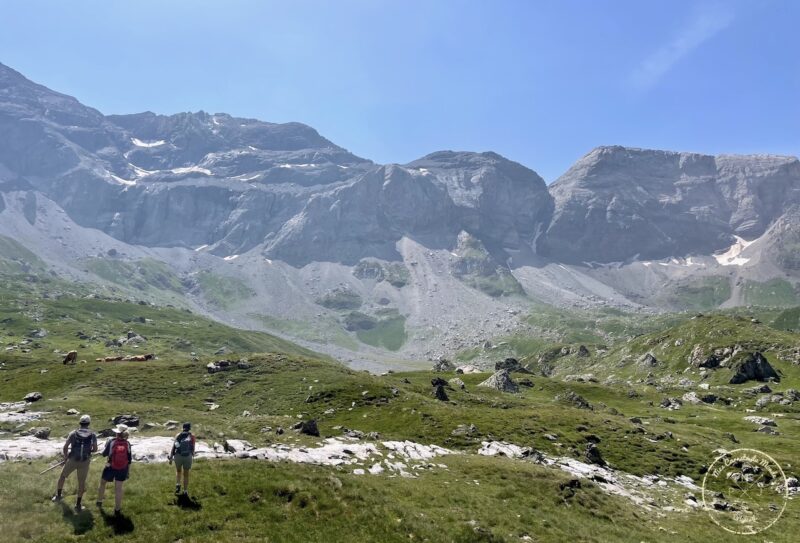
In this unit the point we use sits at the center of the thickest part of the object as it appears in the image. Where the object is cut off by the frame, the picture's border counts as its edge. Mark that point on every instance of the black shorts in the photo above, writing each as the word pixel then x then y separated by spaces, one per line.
pixel 110 474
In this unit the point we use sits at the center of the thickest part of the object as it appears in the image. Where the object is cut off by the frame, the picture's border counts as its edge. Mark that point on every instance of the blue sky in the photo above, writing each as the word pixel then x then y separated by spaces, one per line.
pixel 541 82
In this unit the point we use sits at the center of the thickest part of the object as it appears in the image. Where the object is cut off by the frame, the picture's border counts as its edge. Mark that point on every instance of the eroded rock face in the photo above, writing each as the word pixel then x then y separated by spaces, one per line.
pixel 617 202
pixel 752 367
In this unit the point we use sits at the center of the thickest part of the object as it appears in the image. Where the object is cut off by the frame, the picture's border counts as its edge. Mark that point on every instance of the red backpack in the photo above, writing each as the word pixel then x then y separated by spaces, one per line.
pixel 119 454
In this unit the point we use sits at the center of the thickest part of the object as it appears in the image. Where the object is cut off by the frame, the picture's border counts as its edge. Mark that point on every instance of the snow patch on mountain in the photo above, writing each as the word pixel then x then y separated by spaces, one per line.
pixel 732 257
pixel 139 143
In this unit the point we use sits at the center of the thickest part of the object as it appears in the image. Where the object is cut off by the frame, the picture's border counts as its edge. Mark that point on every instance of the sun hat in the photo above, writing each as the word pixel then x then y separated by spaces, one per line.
pixel 120 429
pixel 85 420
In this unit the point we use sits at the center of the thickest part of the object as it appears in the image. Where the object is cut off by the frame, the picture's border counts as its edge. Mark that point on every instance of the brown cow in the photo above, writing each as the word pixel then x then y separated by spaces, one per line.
pixel 71 357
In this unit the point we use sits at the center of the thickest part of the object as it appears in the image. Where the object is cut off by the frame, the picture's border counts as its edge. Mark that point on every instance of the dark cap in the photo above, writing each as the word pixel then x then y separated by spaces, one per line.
pixel 187 425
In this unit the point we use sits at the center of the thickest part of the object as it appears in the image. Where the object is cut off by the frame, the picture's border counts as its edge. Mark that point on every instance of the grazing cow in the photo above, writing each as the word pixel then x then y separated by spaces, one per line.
pixel 71 357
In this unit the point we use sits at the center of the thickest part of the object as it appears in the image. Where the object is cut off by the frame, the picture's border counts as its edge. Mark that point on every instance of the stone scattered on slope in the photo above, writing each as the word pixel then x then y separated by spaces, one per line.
pixel 130 421
pixel 640 490
pixel 648 360
pixel 763 421
pixel 691 397
pixel 510 364
pixel 237 445
pixel 752 367
pixel 33 397
pixel 583 352
pixel 573 398
pixel 40 433
pixel 592 454
pixel 309 428
pixel 501 381
pixel 443 365
pixel 466 430
pixel 673 404
pixel 456 383
pixel 467 368
pixel 440 394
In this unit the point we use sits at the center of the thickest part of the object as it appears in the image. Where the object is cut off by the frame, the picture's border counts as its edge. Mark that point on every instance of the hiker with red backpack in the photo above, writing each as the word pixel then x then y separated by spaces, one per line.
pixel 118 453
pixel 183 453
pixel 78 449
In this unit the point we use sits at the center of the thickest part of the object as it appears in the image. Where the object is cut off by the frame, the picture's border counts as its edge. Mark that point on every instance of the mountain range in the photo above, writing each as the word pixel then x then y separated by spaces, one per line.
pixel 272 226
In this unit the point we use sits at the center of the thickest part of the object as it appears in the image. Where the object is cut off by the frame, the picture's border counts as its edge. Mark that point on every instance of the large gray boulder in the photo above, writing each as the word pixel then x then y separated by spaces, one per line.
pixel 752 367
pixel 501 380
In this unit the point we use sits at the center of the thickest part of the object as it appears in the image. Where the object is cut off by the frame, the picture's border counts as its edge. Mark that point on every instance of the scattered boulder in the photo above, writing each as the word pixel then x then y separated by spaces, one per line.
pixel 31 397
pixel 71 358
pixel 672 404
pixel 227 365
pixel 698 358
pixel 72 411
pixel 500 380
pixel 443 365
pixel 438 382
pixel 440 394
pixel 309 428
pixel 768 430
pixel 237 445
pixel 648 360
pixel 592 454
pixel 792 395
pixel 510 364
pixel 468 368
pixel 455 382
pixel 730 436
pixel 583 351
pixel 128 420
pixel 752 367
pixel 466 430
pixel 763 421
pixel 691 397
pixel 762 402
pixel 581 378
pixel 527 383
pixel 40 433
pixel 575 399
pixel 38 334
pixel 761 389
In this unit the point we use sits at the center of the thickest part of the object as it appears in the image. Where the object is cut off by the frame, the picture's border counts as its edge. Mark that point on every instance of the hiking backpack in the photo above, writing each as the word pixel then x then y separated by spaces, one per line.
pixel 81 444
pixel 119 454
pixel 183 444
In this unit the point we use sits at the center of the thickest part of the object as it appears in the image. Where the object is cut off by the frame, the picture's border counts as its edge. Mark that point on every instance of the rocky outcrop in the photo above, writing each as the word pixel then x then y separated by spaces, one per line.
pixel 501 380
pixel 752 367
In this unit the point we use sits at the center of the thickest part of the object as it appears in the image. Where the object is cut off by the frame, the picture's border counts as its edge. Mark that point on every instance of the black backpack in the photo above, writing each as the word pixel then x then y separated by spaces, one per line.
pixel 82 440
pixel 183 444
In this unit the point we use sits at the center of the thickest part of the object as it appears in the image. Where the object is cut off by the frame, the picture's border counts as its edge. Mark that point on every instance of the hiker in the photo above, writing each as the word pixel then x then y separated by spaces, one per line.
pixel 118 453
pixel 78 449
pixel 183 452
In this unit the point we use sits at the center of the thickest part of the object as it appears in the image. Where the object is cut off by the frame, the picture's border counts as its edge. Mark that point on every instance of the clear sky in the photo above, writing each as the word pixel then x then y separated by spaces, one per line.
pixel 541 82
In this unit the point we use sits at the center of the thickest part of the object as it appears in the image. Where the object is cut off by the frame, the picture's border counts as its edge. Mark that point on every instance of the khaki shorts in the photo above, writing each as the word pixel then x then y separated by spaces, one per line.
pixel 183 462
pixel 76 465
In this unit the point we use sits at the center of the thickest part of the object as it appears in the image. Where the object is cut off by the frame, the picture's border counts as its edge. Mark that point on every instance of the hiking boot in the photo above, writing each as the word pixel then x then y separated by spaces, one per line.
pixel 185 494
pixel 177 489
pixel 56 498
pixel 117 513
pixel 78 507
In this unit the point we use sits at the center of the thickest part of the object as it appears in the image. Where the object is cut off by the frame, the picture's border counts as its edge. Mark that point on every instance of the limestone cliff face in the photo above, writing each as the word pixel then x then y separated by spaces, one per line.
pixel 236 184
pixel 616 203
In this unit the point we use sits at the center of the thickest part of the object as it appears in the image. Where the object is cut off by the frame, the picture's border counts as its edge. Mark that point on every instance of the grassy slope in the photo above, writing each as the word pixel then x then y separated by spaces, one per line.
pixel 248 501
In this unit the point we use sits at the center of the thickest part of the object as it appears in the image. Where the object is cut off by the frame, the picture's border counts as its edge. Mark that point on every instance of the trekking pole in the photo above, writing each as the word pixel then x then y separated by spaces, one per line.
pixel 54 466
